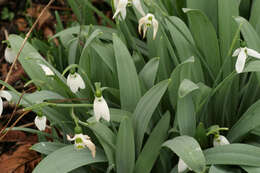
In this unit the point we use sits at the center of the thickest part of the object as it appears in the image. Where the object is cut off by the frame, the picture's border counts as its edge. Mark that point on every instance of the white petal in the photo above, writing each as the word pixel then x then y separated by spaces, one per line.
pixel 9 55
pixel 80 82
pixel 141 22
pixel 241 60
pixel 91 146
pixel 182 166
pixel 220 140
pixel 137 4
pixel 155 27
pixel 40 122
pixel 6 95
pixel 101 109
pixel 70 139
pixel 120 7
pixel 253 53
pixel 236 52
pixel 1 107
pixel 47 70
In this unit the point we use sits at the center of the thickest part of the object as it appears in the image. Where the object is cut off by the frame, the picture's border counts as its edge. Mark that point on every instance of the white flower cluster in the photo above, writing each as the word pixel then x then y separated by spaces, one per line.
pixel 146 21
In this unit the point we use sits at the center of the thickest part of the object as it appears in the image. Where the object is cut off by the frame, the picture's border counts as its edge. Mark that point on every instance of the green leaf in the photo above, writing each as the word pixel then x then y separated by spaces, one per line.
pixel 56 162
pixel 177 76
pixel 233 154
pixel 125 147
pixel 254 17
pixel 129 86
pixel 151 150
pixel 223 169
pixel 251 169
pixel 227 29
pixel 205 38
pixel 186 115
pixel 149 72
pixel 249 120
pixel 106 138
pixel 145 109
pixel 47 147
pixel 188 149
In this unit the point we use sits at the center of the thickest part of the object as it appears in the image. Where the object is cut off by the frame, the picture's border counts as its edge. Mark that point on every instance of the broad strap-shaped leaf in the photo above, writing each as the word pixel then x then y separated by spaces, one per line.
pixel 47 147
pixel 223 169
pixel 188 149
pixel 106 138
pixel 145 109
pixel 205 38
pixel 125 147
pixel 186 115
pixel 67 159
pixel 254 16
pixel 233 154
pixel 150 152
pixel 179 73
pixel 227 28
pixel 129 86
pixel 149 72
pixel 249 120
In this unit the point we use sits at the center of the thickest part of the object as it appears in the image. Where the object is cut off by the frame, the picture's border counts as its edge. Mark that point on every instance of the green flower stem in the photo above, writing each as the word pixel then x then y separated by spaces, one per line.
pixel 73 116
pixel 44 104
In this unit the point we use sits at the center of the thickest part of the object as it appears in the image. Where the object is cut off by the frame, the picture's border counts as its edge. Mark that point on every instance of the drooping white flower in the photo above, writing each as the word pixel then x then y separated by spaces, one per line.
pixel 242 54
pixel 101 109
pixel 182 166
pixel 147 21
pixel 82 141
pixel 40 122
pixel 7 96
pixel 75 81
pixel 9 55
pixel 120 6
pixel 220 140
pixel 47 70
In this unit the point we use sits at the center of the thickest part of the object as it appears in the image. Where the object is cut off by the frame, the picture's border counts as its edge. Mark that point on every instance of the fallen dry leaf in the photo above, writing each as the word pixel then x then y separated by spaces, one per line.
pixel 19 160
pixel 21 24
pixel 35 12
pixel 49 33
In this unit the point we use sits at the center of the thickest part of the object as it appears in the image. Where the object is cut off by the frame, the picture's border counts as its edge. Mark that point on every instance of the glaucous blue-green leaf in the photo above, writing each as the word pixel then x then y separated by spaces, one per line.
pixel 129 86
pixel 233 154
pixel 125 147
pixel 47 147
pixel 145 109
pixel 67 159
pixel 188 149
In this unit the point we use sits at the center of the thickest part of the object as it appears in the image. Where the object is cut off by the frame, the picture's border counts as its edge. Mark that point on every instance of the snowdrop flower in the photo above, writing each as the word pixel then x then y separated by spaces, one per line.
pixel 75 81
pixel 242 54
pixel 9 55
pixel 82 141
pixel 7 96
pixel 220 140
pixel 101 108
pixel 120 6
pixel 147 21
pixel 47 70
pixel 40 122
pixel 182 166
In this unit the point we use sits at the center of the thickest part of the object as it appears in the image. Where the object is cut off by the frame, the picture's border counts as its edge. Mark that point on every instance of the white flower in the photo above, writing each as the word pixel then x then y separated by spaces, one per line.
pixel 47 70
pixel 147 21
pixel 40 122
pixel 242 54
pixel 75 81
pixel 101 109
pixel 7 96
pixel 82 141
pixel 120 6
pixel 9 55
pixel 220 140
pixel 182 166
